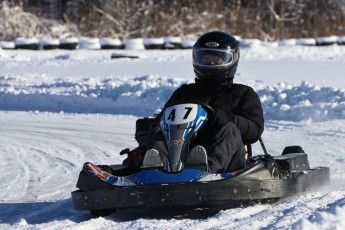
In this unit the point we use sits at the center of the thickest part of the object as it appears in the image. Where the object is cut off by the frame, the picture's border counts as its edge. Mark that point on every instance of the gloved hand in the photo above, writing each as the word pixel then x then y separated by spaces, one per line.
pixel 221 118
pixel 135 157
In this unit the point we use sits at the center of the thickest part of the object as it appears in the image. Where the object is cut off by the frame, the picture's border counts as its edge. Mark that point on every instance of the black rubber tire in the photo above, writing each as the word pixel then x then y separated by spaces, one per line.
pixel 292 149
pixel 103 212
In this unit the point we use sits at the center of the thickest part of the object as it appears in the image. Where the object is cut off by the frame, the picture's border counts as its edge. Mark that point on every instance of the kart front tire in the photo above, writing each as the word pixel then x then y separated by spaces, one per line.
pixel 103 212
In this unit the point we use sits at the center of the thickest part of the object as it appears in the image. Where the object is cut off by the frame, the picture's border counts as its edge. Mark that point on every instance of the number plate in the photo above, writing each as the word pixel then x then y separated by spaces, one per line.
pixel 180 114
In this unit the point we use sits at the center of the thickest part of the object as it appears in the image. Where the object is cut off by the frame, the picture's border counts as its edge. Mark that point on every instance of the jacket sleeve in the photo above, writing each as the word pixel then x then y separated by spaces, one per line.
pixel 249 117
pixel 176 95
pixel 155 132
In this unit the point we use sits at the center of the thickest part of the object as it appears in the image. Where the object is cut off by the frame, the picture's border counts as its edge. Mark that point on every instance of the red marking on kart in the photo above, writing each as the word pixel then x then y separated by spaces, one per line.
pixel 99 173
pixel 176 142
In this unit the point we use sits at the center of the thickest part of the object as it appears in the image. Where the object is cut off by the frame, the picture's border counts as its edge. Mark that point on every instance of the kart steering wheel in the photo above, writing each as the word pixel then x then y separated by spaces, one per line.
pixel 207 107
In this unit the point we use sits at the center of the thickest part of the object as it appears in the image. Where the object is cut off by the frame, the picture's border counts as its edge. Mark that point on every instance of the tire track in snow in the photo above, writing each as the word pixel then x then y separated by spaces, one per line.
pixel 60 149
pixel 15 176
pixel 35 168
pixel 42 154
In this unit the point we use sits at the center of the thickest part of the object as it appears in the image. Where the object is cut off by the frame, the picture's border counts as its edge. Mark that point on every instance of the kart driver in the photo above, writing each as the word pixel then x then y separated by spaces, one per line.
pixel 238 118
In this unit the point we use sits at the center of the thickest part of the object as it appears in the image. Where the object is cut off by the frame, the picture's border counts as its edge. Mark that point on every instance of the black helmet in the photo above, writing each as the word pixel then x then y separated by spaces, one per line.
pixel 215 57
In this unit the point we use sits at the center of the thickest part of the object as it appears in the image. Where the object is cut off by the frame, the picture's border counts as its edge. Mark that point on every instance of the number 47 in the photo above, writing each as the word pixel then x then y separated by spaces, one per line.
pixel 172 114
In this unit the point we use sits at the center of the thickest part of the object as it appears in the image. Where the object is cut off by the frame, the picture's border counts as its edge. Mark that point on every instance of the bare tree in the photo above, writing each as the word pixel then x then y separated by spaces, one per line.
pixel 262 19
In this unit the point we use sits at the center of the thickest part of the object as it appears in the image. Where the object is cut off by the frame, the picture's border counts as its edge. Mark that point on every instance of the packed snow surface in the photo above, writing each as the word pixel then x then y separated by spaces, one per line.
pixel 60 109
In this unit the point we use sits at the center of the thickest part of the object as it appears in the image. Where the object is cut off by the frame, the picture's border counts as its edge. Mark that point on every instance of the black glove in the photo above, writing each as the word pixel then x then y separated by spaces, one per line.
pixel 221 118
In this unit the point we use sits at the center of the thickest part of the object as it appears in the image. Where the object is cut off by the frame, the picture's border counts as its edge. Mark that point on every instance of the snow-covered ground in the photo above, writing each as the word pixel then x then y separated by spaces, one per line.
pixel 62 108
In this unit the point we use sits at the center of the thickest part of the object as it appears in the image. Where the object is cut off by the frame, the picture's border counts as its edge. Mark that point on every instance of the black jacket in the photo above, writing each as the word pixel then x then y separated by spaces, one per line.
pixel 240 101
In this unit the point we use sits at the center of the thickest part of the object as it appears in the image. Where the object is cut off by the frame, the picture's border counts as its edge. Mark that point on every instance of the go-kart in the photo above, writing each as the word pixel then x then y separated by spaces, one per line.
pixel 265 178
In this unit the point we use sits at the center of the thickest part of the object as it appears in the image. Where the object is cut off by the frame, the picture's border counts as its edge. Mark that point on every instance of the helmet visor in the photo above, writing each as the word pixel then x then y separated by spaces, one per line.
pixel 211 57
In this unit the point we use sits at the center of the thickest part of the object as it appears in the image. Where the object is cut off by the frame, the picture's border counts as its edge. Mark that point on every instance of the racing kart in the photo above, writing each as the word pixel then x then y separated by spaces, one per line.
pixel 104 188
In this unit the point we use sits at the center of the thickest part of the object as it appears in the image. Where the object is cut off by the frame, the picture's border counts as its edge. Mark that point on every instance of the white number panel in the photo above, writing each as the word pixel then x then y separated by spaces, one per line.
pixel 180 114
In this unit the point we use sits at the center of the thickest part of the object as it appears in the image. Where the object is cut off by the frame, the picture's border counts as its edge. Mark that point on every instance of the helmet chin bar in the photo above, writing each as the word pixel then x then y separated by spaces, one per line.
pixel 214 76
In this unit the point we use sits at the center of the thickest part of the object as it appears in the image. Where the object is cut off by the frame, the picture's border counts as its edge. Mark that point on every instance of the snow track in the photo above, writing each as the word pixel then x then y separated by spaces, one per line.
pixel 47 151
pixel 42 154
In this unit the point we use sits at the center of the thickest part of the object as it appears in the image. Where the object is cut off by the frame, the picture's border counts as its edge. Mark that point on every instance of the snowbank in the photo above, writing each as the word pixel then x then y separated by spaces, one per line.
pixel 303 102
pixel 143 95
pixel 113 96
pixel 90 82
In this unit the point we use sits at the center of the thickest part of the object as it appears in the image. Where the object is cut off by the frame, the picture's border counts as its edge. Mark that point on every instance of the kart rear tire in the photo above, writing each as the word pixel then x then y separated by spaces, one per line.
pixel 103 212
pixel 292 149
